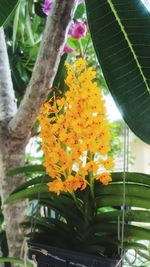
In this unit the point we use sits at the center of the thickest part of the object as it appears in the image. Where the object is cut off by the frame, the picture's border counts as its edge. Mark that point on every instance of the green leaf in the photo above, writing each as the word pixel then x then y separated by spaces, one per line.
pixel 27 193
pixel 113 200
pixel 51 223
pixel 131 231
pixel 130 216
pixel 130 190
pixel 131 177
pixel 70 214
pixel 16 261
pixel 80 12
pixel 15 26
pixel 7 8
pixel 27 169
pixel 134 245
pixel 28 27
pixel 121 37
pixel 37 180
pixel 61 74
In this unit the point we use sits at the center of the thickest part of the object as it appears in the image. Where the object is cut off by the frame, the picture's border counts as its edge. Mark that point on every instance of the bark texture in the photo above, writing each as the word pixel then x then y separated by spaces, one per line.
pixel 11 154
pixel 15 126
pixel 8 105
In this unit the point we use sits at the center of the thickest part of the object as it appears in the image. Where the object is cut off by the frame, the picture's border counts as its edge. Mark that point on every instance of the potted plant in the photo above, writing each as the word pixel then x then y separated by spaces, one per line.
pixel 82 222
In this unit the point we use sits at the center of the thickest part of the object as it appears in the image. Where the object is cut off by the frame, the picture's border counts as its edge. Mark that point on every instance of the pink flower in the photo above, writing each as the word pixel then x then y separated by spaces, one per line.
pixel 67 49
pixel 78 30
pixel 47 7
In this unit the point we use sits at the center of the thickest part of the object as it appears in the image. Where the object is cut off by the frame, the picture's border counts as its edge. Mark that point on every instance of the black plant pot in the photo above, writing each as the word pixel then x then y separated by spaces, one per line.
pixel 48 256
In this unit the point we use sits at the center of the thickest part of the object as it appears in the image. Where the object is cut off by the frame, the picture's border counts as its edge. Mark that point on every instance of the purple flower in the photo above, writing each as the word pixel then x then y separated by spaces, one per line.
pixel 47 7
pixel 67 49
pixel 78 30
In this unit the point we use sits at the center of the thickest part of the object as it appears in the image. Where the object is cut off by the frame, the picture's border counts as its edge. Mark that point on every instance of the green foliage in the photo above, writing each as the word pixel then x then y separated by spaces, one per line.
pixel 7 9
pixel 16 261
pixel 23 36
pixel 121 39
pixel 91 224
pixel 27 169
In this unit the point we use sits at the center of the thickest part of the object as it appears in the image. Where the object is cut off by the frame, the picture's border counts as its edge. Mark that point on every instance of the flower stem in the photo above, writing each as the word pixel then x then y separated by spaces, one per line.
pixel 92 186
pixel 91 178
pixel 81 49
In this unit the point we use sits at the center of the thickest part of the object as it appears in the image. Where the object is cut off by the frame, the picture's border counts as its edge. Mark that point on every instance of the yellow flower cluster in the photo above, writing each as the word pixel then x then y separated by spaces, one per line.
pixel 75 133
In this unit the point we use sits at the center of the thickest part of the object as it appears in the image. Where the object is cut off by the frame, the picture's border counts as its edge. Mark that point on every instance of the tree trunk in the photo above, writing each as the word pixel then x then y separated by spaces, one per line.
pixel 11 154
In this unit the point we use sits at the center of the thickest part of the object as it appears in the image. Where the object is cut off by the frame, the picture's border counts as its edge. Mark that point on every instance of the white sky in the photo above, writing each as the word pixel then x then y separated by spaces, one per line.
pixel 146 3
pixel 112 111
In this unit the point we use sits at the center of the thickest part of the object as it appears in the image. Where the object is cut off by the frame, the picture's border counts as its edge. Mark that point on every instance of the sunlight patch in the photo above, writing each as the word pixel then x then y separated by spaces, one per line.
pixel 147 4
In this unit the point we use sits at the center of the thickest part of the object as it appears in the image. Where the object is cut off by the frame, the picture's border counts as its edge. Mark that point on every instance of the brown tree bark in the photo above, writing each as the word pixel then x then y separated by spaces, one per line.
pixel 15 125
pixel 11 154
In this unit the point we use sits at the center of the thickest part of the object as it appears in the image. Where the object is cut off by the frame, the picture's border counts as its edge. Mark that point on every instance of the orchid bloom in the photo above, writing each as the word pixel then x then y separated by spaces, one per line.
pixel 78 30
pixel 47 7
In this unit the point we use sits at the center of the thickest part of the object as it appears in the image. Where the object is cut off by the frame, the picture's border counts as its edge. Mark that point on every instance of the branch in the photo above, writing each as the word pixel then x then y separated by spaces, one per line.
pixel 45 68
pixel 8 105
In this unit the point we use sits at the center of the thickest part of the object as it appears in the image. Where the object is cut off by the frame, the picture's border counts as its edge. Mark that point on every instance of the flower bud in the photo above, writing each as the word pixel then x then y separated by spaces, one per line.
pixel 78 30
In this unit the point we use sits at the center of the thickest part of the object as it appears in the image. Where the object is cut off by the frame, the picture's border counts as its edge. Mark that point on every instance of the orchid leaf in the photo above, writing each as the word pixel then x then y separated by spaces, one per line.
pixel 27 169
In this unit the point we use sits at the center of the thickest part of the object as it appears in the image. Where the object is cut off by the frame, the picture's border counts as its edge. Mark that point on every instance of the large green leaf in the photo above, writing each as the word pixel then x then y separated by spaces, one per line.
pixel 132 177
pixel 121 37
pixel 131 190
pixel 28 193
pixel 27 169
pixel 7 8
pixel 117 200
pixel 38 180
pixel 130 215
pixel 131 231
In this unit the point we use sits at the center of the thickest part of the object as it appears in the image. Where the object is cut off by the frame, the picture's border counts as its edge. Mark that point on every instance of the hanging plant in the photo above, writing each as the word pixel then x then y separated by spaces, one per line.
pixel 81 198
